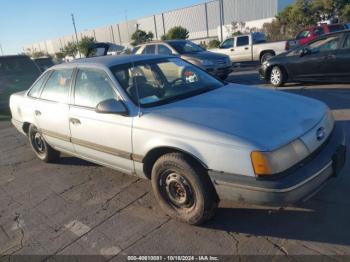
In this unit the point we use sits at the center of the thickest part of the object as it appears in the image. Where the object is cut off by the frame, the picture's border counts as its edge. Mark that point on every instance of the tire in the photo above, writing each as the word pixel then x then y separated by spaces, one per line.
pixel 40 147
pixel 266 57
pixel 223 77
pixel 277 76
pixel 183 189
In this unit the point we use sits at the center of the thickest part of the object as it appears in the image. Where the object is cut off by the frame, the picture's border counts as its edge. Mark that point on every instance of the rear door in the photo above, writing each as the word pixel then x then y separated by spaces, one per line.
pixel 242 51
pixel 51 110
pixel 105 138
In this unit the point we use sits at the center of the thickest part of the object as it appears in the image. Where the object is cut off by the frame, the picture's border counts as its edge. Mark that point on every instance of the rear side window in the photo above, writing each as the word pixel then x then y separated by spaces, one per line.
pixel 303 34
pixel 57 86
pixel 319 31
pixel 149 50
pixel 92 87
pixel 35 90
pixel 243 40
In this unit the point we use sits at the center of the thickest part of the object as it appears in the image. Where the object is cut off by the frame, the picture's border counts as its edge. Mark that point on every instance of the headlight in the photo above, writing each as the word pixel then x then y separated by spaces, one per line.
pixel 269 163
pixel 207 63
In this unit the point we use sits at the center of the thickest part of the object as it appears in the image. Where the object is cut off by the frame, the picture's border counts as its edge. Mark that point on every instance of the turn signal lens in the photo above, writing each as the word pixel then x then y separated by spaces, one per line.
pixel 261 163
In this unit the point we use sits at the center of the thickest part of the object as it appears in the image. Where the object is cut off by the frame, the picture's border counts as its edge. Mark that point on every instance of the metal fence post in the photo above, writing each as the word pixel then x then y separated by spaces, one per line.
pixel 206 18
pixel 155 26
pixel 163 24
pixel 120 38
pixel 112 35
pixel 221 8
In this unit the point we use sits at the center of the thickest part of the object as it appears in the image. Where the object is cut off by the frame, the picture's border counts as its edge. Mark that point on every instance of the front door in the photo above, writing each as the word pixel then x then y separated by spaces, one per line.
pixel 319 63
pixel 243 50
pixel 51 110
pixel 343 60
pixel 104 138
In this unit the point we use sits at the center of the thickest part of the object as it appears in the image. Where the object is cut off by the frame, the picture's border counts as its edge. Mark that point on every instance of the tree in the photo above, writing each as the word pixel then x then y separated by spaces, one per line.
pixel 177 32
pixel 70 49
pixel 85 44
pixel 37 54
pixel 213 44
pixel 141 37
pixel 59 56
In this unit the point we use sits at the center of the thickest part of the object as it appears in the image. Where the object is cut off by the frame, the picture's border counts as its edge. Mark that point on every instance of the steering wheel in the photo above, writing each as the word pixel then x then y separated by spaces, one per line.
pixel 180 79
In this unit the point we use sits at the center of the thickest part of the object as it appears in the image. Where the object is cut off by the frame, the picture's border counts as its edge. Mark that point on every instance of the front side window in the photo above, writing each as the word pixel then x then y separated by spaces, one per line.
pixel 326 44
pixel 319 31
pixel 185 47
pixel 149 50
pixel 161 81
pixel 163 50
pixel 58 85
pixel 243 41
pixel 227 43
pixel 35 90
pixel 303 34
pixel 347 42
pixel 92 87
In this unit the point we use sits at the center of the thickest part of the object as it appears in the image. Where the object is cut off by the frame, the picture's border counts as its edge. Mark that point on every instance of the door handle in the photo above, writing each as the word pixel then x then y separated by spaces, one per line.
pixel 232 49
pixel 246 48
pixel 37 113
pixel 75 121
pixel 331 57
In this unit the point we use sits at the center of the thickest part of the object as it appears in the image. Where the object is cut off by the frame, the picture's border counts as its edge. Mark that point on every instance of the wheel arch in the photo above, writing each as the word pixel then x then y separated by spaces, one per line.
pixel 271 51
pixel 155 153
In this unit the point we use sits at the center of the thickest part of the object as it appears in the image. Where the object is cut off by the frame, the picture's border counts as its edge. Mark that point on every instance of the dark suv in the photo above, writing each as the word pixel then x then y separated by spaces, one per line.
pixel 17 73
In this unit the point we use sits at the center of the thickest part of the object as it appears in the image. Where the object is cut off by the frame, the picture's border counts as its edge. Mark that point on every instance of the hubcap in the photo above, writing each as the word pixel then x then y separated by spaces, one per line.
pixel 275 76
pixel 178 190
pixel 38 143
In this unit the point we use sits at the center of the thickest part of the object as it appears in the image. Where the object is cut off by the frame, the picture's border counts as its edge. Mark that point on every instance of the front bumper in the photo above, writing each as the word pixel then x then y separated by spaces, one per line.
pixel 294 185
pixel 220 72
pixel 263 72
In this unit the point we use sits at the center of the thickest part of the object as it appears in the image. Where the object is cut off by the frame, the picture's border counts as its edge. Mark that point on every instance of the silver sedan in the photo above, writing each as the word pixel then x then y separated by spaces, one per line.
pixel 198 139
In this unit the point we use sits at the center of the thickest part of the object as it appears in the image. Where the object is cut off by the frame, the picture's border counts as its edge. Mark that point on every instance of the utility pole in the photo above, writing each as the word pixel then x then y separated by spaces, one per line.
pixel 75 30
pixel 2 51
pixel 127 24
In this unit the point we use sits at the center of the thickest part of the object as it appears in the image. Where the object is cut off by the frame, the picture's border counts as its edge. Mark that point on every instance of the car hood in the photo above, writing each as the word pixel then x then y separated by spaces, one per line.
pixel 264 118
pixel 204 55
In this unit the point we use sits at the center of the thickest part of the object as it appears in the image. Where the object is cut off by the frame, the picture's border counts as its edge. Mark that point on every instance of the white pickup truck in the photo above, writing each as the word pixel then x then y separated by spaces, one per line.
pixel 251 47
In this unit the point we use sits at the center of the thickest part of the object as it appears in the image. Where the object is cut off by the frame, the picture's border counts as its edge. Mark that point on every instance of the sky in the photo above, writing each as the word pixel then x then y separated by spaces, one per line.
pixel 28 21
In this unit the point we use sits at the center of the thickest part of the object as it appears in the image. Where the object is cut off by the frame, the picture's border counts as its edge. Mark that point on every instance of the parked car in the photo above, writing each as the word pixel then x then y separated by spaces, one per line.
pixel 251 47
pixel 102 49
pixel 216 64
pixel 44 63
pixel 308 34
pixel 326 59
pixel 17 72
pixel 196 138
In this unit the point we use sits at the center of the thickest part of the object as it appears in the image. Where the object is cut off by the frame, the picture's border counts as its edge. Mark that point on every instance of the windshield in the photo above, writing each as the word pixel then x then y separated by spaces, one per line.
pixel 186 47
pixel 157 82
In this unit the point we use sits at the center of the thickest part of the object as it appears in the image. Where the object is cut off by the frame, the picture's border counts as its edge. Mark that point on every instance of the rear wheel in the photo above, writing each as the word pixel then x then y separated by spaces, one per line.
pixel 40 147
pixel 277 76
pixel 183 189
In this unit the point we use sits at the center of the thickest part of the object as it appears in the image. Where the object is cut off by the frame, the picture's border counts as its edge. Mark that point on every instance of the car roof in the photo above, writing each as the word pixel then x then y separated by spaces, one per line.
pixel 108 61
pixel 14 56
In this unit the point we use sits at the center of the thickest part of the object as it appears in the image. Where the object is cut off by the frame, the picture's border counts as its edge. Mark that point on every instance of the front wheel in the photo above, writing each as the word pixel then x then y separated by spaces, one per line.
pixel 183 189
pixel 277 76
pixel 40 147
pixel 265 57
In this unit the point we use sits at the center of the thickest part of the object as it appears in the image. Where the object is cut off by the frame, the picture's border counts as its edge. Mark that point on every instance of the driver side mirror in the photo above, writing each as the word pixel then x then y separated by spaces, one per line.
pixel 305 51
pixel 112 106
